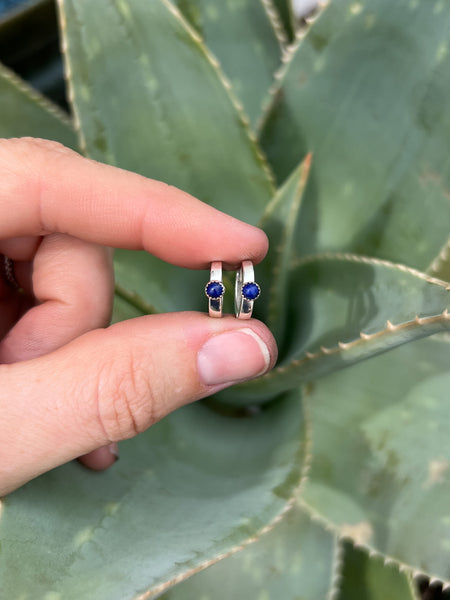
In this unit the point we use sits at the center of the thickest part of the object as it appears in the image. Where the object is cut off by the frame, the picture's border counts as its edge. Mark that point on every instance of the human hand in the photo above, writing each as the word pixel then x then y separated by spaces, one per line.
pixel 70 385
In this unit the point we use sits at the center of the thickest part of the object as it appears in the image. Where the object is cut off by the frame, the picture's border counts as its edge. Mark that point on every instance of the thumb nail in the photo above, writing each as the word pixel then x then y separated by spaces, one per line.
pixel 232 356
pixel 113 449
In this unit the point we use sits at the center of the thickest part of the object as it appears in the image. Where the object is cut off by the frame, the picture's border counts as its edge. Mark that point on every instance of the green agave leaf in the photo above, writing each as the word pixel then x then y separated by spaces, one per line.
pixel 152 285
pixel 241 35
pixel 294 560
pixel 149 98
pixel 189 490
pixel 128 306
pixel 381 454
pixel 24 112
pixel 365 576
pixel 345 308
pixel 367 92
pixel 280 222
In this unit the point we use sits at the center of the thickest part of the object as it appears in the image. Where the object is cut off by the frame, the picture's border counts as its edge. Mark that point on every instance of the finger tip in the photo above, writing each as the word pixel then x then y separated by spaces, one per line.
pixel 252 245
pixel 259 328
pixel 268 338
pixel 101 458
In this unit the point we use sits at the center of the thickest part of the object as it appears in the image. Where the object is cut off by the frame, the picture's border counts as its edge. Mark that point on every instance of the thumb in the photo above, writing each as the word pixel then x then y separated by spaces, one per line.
pixel 111 384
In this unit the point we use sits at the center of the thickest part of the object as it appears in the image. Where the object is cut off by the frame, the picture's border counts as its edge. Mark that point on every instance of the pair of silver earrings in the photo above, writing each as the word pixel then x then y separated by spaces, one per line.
pixel 246 290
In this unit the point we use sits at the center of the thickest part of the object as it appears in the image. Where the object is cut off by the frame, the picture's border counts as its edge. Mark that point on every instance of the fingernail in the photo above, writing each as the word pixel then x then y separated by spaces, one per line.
pixel 113 448
pixel 232 356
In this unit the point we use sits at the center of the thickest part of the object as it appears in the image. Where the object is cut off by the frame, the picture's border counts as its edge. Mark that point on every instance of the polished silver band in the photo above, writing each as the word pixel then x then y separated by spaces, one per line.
pixel 246 290
pixel 215 290
pixel 7 269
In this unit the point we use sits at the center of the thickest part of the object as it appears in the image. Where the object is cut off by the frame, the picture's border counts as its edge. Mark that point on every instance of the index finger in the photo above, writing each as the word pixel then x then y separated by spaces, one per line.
pixel 47 188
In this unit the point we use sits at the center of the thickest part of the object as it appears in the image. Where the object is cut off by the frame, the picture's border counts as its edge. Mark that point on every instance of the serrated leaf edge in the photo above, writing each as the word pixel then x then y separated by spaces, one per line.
pixel 335 592
pixel 275 21
pixel 286 59
pixel 369 260
pixel 364 337
pixel 317 517
pixel 437 322
pixel 237 104
pixel 287 234
pixel 387 559
pixel 41 100
pixel 291 501
pixel 68 76
pixel 135 300
pixel 337 567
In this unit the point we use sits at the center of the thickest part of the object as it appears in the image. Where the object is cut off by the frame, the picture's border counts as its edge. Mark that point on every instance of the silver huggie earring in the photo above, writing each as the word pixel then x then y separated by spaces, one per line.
pixel 246 290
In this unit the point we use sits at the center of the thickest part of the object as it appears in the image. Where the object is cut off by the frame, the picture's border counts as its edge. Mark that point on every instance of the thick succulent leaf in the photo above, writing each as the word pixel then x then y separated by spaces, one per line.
pixel 367 92
pixel 295 557
pixel 346 308
pixel 241 35
pixel 280 222
pixel 365 576
pixel 148 97
pixel 128 306
pixel 24 112
pixel 381 454
pixel 195 486
pixel 158 286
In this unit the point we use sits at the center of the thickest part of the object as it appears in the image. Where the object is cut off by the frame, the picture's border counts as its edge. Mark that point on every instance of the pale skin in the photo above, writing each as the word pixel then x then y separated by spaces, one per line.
pixel 70 385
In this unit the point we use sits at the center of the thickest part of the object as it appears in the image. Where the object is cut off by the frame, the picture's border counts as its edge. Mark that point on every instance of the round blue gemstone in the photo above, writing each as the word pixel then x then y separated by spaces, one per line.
pixel 214 289
pixel 250 291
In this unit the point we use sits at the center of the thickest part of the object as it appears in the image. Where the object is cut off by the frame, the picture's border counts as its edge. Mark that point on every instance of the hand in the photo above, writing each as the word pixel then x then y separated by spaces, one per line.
pixel 70 385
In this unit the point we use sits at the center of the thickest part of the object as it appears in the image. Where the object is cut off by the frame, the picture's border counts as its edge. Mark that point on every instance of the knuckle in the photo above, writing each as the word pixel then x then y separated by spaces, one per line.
pixel 124 397
pixel 24 163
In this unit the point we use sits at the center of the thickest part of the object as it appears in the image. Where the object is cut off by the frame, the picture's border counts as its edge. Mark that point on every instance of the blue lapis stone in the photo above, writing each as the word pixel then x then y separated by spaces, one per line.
pixel 250 291
pixel 214 289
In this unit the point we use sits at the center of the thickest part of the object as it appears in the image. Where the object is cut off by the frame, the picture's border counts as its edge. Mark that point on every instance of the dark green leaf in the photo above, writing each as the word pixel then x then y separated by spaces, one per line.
pixel 364 576
pixel 24 112
pixel 284 8
pixel 346 308
pixel 280 222
pixel 367 92
pixel 149 98
pixel 242 37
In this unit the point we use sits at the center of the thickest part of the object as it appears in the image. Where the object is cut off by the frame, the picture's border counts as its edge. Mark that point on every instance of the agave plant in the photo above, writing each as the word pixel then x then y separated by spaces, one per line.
pixel 328 477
